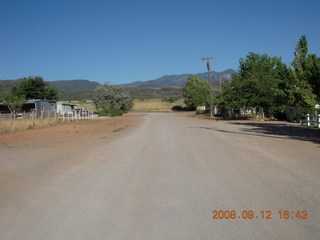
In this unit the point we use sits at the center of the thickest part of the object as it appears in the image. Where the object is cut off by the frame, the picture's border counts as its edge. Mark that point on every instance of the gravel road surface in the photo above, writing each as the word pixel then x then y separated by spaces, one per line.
pixel 163 178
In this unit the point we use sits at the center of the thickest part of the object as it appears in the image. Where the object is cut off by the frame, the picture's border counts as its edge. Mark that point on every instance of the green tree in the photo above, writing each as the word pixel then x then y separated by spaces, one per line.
pixel 305 76
pixel 196 92
pixel 300 54
pixel 35 88
pixel 13 102
pixel 112 97
pixel 312 73
pixel 263 83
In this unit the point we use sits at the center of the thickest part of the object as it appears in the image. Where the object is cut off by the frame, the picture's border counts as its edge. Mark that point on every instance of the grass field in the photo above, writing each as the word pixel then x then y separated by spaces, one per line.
pixel 154 105
pixel 148 105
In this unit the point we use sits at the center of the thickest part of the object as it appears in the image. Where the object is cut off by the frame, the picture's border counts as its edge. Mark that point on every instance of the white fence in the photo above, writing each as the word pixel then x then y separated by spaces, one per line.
pixel 311 120
pixel 77 115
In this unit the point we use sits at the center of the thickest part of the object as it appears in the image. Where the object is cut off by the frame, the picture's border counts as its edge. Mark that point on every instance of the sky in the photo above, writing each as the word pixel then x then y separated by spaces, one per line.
pixel 138 40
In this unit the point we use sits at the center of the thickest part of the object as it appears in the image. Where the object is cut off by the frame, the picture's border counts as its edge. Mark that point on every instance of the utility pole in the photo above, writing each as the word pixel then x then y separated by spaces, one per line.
pixel 210 86
pixel 220 83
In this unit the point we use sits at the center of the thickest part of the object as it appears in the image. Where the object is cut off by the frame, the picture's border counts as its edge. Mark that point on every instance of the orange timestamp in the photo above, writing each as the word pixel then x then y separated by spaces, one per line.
pixel 264 214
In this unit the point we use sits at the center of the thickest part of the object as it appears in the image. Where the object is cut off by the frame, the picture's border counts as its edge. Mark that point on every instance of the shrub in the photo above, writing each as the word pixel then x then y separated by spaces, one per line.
pixel 179 108
pixel 112 97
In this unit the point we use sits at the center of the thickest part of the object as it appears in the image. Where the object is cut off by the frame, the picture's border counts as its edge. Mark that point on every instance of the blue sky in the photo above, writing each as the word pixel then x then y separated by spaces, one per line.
pixel 140 40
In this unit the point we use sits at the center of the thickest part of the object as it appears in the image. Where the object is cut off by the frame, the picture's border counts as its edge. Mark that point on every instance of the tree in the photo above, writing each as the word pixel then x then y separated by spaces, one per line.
pixel 112 97
pixel 13 102
pixel 262 82
pixel 196 92
pixel 300 54
pixel 35 88
pixel 305 76
pixel 312 73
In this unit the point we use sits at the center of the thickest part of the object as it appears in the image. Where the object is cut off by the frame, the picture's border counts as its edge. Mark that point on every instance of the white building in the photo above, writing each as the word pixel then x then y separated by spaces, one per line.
pixel 65 108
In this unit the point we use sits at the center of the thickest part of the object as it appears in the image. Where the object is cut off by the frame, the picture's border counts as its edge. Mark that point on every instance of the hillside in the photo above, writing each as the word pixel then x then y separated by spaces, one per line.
pixel 74 85
pixel 180 80
pixel 4 86
pixel 164 86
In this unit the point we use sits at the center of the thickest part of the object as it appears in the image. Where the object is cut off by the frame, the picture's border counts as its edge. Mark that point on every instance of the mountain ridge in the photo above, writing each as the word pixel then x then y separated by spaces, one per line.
pixel 173 80
pixel 180 79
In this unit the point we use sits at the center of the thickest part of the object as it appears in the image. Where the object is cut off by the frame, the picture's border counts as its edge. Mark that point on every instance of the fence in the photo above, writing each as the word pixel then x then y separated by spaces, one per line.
pixel 30 115
pixel 311 120
pixel 77 115
pixel 5 115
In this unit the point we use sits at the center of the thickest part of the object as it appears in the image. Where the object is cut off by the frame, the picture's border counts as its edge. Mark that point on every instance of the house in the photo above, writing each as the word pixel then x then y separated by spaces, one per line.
pixel 65 108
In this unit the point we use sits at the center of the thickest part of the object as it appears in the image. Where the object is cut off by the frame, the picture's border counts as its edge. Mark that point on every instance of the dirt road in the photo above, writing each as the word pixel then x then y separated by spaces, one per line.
pixel 161 176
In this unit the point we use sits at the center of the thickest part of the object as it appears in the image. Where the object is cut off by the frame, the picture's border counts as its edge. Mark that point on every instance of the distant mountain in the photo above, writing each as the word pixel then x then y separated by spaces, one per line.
pixel 180 80
pixel 4 86
pixel 79 86
pixel 74 85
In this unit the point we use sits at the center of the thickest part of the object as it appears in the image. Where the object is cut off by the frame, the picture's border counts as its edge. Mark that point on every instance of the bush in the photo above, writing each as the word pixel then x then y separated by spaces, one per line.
pixel 110 113
pixel 180 108
pixel 112 97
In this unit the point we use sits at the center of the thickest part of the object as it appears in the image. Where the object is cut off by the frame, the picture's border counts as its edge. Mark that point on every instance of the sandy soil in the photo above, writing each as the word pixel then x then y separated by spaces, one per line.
pixel 72 133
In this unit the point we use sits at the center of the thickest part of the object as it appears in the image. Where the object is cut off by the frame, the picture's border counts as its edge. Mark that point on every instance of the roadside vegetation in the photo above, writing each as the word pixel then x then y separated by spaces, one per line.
pixel 267 84
pixel 196 92
pixel 264 84
pixel 112 100
pixel 12 126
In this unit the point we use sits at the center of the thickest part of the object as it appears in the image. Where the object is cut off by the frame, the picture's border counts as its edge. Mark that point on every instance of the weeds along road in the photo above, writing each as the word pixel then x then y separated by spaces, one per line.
pixel 164 178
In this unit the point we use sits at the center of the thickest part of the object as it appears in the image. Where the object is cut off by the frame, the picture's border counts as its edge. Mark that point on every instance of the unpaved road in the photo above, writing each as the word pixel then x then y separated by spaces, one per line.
pixel 162 178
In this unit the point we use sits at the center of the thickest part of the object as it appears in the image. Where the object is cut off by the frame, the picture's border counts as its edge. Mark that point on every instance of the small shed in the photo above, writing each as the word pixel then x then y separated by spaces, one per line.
pixel 41 106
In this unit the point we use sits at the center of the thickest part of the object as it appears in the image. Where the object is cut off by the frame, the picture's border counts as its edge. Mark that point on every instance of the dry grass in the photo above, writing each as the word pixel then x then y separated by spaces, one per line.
pixel 149 105
pixel 12 126
pixel 154 105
